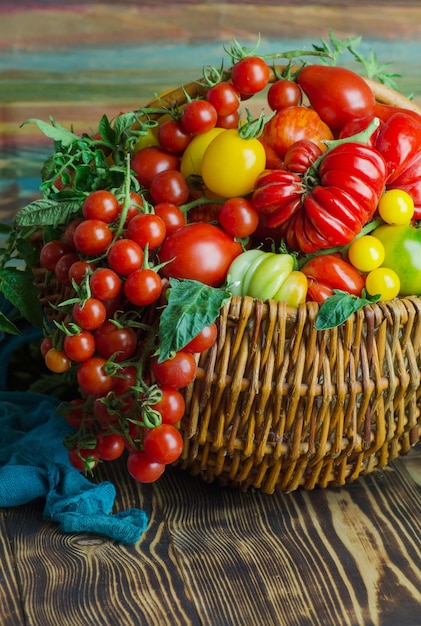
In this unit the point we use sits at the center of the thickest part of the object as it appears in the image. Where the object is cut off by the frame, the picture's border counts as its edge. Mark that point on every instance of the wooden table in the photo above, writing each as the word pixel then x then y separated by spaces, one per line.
pixel 218 557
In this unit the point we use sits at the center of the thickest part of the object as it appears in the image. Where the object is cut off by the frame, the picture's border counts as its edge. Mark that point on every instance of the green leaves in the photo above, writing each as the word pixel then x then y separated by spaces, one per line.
pixel 191 306
pixel 54 131
pixel 18 288
pixel 339 307
pixel 46 212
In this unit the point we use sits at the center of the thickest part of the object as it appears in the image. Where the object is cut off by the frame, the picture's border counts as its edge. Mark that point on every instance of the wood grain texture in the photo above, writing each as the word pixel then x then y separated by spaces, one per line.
pixel 221 557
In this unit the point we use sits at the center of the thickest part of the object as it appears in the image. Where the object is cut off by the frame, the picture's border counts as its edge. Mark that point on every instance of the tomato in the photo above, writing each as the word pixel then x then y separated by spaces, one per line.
pixel 77 415
pixel 177 372
pixel 109 446
pixel 57 361
pixel 51 252
pixel 83 459
pixel 402 246
pixel 169 186
pixel 147 229
pixel 134 206
pixel 366 253
pixel 224 97
pixel 46 344
pixel 125 256
pixel 409 180
pixel 198 116
pixel 204 340
pixel 89 314
pixel 331 272
pixel 78 270
pixel 69 232
pixel 250 75
pixel 293 290
pixel 383 281
pixel 63 266
pixel 172 216
pixel 150 161
pixel 228 121
pixel 337 94
pixel 284 93
pixel 173 137
pixel 171 407
pixel 191 160
pixel 92 237
pixel 398 140
pixel 293 124
pixel 238 217
pixel 100 205
pixel 301 155
pixel 143 286
pixel 105 284
pixel 200 252
pixel 142 468
pixel 163 444
pixel 112 339
pixel 396 206
pixel 124 380
pixel 92 377
pixel 231 164
pixel 80 346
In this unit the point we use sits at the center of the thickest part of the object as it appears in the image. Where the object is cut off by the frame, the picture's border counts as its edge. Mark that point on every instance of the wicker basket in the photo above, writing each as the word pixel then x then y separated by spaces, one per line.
pixel 277 405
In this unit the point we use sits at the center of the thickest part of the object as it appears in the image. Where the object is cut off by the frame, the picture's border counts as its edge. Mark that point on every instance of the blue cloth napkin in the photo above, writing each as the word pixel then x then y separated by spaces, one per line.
pixel 34 464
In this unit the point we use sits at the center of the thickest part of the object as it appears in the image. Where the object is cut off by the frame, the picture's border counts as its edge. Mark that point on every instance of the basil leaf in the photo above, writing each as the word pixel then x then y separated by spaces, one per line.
pixel 336 309
pixel 191 306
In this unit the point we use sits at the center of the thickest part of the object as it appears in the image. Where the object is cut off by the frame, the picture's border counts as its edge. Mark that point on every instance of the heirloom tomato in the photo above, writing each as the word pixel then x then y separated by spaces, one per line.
pixel 200 252
pixel 231 164
pixel 336 93
pixel 293 124
pixel 328 272
pixel 402 245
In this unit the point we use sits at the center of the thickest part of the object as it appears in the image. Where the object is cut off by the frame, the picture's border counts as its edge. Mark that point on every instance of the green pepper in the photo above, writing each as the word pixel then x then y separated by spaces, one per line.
pixel 402 246
pixel 267 276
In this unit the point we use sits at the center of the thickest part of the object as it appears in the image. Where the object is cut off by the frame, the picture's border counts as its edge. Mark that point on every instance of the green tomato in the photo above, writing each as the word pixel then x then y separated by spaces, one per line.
pixel 402 246
pixel 238 269
pixel 265 280
pixel 231 164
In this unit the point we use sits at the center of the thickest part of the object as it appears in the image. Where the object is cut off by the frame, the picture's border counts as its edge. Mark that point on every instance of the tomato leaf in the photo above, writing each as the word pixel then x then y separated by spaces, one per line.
pixel 191 306
pixel 7 326
pixel 18 288
pixel 336 309
pixel 54 131
pixel 45 212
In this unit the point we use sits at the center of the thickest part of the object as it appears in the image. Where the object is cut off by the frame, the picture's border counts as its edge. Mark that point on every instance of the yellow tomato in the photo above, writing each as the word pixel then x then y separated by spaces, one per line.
pixel 191 161
pixel 396 207
pixel 366 253
pixel 384 282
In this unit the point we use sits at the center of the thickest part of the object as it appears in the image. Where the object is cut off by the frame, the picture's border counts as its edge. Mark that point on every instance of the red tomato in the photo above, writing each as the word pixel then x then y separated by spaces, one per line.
pixel 238 217
pixel 171 407
pixel 92 237
pixel 284 93
pixel 83 459
pixel 169 186
pixel 250 75
pixel 100 205
pixel 112 339
pixel 89 314
pixel 327 272
pixel 147 228
pixel 79 347
pixel 142 469
pixel 198 117
pixel 109 446
pixel 200 252
pixel 204 340
pixel 125 256
pixel 224 97
pixel 336 93
pixel 171 215
pixel 92 377
pixel 105 284
pixel 177 372
pixel 150 161
pixel 163 444
pixel 51 252
pixel 143 286
pixel 293 124
pixel 173 137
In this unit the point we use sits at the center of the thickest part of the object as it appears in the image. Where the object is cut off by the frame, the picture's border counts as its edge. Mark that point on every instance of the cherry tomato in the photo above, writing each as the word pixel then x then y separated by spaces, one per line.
pixel 198 116
pixel 199 252
pixel 83 459
pixel 125 256
pixel 89 314
pixel 147 228
pixel 57 361
pixel 136 203
pixel 163 444
pixel 143 286
pixel 92 237
pixel 109 446
pixel 171 215
pixel 63 266
pixel 92 377
pixel 77 415
pixel 142 468
pixel 177 372
pixel 171 407
pixel 228 121
pixel 80 346
pixel 169 186
pixel 231 164
pixel 173 137
pixel 224 97
pixel 250 75
pixel 111 339
pixel 284 93
pixel 150 161
pixel 204 340
pixel 238 217
pixel 100 205
pixel 51 252
pixel 396 206
pixel 191 160
pixel 105 284
pixel 125 379
pixel 366 253
pixel 46 344
pixel 383 281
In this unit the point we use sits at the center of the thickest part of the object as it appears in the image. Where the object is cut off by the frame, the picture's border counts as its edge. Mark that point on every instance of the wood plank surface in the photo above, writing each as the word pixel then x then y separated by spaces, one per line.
pixel 221 557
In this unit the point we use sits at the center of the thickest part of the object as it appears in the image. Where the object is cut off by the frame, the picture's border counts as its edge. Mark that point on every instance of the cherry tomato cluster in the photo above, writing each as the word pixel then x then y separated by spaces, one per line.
pixel 210 192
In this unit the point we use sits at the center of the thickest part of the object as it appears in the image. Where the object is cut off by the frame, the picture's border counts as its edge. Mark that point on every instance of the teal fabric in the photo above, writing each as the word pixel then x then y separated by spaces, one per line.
pixel 34 464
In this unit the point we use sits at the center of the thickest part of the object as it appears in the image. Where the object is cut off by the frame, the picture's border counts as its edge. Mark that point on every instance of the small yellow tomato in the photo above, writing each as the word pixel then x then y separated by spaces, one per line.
pixel 396 206
pixel 146 140
pixel 191 161
pixel 366 253
pixel 383 281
